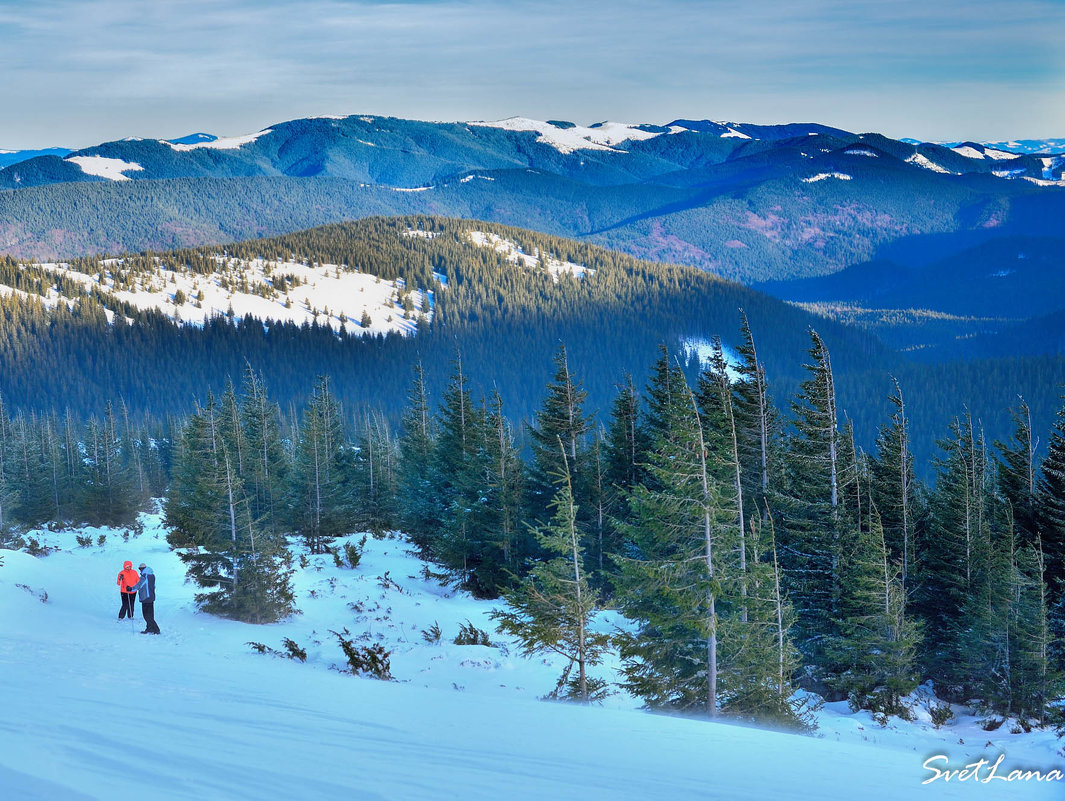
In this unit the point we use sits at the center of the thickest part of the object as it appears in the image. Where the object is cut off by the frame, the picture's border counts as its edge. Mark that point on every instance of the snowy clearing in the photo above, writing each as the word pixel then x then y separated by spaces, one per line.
pixel 823 175
pixel 922 161
pixel 566 140
pixel 222 142
pixel 514 254
pixel 286 291
pixel 103 167
pixel 91 705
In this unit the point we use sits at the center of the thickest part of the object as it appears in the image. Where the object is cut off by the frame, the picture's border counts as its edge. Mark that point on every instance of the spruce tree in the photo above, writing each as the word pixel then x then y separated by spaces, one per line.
pixel 1050 509
pixel 266 466
pixel 894 487
pixel 1017 474
pixel 550 609
pixel 321 490
pixel 758 428
pixel 682 528
pixel 810 507
pixel 561 416
pixel 374 476
pixel 419 508
pixel 244 571
pixel 875 650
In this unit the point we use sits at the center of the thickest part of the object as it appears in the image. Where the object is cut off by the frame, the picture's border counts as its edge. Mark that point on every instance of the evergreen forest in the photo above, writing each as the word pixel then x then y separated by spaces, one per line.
pixel 756 547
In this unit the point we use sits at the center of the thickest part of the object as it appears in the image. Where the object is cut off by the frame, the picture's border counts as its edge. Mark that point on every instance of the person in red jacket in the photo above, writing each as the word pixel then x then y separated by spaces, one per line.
pixel 127 579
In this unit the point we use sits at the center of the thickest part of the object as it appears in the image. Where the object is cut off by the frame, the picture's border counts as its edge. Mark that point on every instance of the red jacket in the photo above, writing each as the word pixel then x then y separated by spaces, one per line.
pixel 128 577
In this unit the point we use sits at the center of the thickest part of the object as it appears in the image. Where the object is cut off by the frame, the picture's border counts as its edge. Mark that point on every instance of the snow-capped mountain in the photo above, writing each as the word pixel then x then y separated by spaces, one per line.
pixel 749 202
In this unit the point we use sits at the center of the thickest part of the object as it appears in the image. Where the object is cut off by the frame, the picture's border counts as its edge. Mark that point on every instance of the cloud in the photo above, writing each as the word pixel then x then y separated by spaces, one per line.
pixel 108 68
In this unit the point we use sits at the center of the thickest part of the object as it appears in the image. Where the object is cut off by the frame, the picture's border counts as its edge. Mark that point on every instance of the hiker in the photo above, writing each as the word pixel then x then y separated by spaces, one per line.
pixel 127 578
pixel 146 592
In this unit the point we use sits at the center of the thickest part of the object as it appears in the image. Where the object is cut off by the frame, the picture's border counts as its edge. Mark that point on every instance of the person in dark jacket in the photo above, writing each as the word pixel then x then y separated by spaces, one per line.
pixel 146 592
pixel 127 578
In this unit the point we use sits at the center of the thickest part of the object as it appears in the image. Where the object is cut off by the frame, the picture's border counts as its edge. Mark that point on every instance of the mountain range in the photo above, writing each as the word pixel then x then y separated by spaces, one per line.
pixel 749 202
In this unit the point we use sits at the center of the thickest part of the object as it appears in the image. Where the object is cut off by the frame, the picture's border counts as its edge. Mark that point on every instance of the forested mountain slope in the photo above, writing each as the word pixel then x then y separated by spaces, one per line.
pixel 748 202
pixel 503 314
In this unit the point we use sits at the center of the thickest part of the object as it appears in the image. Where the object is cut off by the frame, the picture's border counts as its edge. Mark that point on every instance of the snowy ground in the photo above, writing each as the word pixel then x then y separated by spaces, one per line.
pixel 92 709
pixel 329 295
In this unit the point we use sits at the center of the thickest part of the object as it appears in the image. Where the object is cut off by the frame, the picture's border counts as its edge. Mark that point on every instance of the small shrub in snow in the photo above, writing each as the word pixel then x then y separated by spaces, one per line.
pixel 941 714
pixel 365 660
pixel 353 553
pixel 293 650
pixel 386 581
pixel 432 634
pixel 471 635
pixel 991 724
pixel 42 596
pixel 101 539
pixel 440 578
pixel 34 548
pixel 335 553
pixel 83 542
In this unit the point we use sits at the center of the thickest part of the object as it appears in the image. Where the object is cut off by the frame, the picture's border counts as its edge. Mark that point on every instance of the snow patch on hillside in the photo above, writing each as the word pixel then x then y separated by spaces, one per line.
pixel 324 293
pixel 566 140
pixel 861 152
pixel 103 167
pixel 514 254
pixel 922 161
pixel 703 349
pixel 732 133
pixel 823 175
pixel 221 143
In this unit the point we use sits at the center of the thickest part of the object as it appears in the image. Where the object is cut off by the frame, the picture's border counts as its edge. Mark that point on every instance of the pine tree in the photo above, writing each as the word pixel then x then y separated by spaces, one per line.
pixel 244 571
pixel 682 528
pixel 757 425
pixel 894 487
pixel 374 476
pixel 1050 509
pixel 561 416
pixel 321 490
pixel 876 648
pixel 810 538
pixel 266 467
pixel 1017 472
pixel 550 609
pixel 419 509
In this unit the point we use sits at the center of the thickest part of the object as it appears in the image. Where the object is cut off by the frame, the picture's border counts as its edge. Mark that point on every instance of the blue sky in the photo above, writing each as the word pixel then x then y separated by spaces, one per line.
pixel 77 72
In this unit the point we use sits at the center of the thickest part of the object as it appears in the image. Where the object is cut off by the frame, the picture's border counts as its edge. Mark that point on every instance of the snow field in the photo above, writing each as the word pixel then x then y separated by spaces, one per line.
pixel 330 290
pixel 103 167
pixel 90 705
pixel 515 255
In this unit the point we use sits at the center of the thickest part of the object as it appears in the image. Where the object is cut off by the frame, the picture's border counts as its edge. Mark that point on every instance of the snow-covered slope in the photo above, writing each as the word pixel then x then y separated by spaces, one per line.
pixel 567 137
pixel 90 705
pixel 289 291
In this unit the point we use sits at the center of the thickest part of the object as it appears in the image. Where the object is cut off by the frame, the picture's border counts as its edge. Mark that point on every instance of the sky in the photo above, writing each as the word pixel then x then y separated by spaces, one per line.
pixel 79 72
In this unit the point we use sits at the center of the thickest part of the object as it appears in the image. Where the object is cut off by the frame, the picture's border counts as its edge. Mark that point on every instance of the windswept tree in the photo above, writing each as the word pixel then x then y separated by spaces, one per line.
pixel 550 609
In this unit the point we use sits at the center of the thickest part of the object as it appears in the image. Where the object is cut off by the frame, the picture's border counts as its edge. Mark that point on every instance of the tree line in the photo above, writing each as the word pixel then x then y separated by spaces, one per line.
pixel 755 550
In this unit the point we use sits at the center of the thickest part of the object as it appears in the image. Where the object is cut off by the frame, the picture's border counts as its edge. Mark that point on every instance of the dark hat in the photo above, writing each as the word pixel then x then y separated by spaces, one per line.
pixel 142 566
